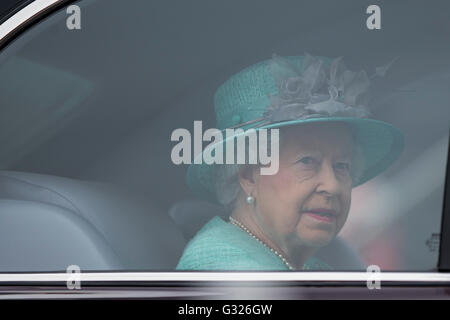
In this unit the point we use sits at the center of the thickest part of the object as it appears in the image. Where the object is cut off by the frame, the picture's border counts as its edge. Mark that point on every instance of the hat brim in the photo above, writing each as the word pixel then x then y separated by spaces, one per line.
pixel 381 144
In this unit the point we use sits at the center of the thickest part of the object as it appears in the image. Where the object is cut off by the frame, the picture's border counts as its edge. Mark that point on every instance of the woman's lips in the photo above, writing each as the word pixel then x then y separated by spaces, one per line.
pixel 328 219
pixel 322 214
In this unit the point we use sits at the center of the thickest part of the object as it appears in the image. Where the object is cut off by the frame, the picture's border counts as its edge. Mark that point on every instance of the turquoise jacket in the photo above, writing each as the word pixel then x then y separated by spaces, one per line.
pixel 223 246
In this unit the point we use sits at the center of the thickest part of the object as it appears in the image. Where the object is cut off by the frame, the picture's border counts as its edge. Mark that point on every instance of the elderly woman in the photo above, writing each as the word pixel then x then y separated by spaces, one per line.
pixel 327 146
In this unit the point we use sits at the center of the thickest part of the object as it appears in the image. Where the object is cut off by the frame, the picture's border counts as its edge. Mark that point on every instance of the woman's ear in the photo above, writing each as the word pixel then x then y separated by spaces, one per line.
pixel 248 178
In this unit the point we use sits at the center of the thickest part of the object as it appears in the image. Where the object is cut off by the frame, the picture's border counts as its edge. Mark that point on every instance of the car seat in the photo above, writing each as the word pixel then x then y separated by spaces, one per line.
pixel 48 223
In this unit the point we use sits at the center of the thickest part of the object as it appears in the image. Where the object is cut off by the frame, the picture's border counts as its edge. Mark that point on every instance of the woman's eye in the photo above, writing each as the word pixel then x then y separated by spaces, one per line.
pixel 307 160
pixel 343 166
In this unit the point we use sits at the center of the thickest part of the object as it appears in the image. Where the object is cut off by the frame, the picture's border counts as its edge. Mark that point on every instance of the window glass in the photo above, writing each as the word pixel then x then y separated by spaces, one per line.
pixel 107 162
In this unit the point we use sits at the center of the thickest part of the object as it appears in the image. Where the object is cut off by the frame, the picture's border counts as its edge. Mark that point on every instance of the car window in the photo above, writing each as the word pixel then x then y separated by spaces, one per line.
pixel 106 158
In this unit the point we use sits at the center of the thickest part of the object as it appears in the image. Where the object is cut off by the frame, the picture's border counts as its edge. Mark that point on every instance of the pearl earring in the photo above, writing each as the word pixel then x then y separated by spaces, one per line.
pixel 250 199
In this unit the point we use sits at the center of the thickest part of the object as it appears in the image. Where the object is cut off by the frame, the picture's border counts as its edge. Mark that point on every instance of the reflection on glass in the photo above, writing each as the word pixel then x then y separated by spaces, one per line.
pixel 87 116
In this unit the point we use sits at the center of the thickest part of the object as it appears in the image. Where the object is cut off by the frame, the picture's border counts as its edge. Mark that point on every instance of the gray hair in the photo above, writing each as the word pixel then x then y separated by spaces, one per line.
pixel 227 177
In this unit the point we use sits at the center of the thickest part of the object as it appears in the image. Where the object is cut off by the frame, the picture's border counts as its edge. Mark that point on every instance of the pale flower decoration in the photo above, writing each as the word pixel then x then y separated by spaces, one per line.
pixel 318 90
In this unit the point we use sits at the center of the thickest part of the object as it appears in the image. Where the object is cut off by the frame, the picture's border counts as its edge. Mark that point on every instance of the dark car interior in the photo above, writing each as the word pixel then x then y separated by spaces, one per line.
pixel 86 116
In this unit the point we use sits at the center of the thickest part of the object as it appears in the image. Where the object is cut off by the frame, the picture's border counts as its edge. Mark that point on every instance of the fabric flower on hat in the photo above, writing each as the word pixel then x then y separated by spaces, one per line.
pixel 318 89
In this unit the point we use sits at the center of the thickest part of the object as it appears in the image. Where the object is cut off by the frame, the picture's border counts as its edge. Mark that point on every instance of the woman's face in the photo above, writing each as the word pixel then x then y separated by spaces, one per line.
pixel 314 174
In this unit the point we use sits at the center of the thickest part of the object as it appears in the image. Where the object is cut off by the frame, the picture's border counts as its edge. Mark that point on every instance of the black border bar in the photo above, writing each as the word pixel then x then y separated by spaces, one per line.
pixel 444 247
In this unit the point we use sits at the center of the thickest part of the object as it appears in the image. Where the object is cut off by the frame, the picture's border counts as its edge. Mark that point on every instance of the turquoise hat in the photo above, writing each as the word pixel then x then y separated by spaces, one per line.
pixel 295 90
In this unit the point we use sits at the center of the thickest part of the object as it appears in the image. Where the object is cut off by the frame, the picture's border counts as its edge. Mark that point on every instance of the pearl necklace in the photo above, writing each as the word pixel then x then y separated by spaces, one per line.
pixel 279 255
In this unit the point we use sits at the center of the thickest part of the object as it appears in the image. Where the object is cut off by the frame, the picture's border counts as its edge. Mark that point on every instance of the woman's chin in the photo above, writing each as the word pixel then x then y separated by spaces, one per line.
pixel 317 238
pixel 316 233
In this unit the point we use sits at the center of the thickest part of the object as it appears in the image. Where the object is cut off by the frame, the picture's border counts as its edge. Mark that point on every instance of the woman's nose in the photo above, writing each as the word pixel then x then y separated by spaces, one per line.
pixel 327 179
